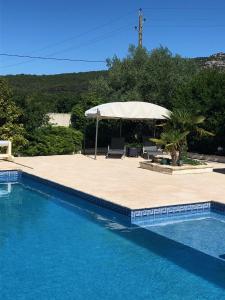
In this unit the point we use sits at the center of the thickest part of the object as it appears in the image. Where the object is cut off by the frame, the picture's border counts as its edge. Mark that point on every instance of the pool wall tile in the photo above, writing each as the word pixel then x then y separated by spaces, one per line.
pixel 9 176
pixel 167 211
pixel 217 207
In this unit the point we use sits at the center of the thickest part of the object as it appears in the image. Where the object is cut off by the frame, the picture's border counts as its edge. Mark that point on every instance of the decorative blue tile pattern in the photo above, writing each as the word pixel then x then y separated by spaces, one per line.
pixel 9 176
pixel 166 211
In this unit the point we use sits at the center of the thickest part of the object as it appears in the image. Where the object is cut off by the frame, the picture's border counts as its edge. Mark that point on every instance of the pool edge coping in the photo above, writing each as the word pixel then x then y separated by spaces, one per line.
pixel 124 210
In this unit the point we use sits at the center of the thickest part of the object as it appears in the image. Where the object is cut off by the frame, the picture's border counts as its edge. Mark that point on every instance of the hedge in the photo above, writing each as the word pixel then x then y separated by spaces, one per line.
pixel 53 141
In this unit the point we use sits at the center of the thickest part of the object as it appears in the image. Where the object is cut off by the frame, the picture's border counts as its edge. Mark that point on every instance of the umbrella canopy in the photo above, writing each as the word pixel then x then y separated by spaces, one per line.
pixel 130 110
pixel 134 110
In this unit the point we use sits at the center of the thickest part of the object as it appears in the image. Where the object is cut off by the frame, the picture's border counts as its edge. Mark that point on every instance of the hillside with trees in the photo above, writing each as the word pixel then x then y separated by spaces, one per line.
pixel 59 93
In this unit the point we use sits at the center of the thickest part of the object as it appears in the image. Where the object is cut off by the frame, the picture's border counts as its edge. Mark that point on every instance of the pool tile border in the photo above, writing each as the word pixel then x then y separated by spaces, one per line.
pixel 9 176
pixel 171 210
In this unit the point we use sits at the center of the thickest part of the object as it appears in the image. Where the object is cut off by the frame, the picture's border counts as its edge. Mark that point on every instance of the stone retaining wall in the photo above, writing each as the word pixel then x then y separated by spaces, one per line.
pixel 214 158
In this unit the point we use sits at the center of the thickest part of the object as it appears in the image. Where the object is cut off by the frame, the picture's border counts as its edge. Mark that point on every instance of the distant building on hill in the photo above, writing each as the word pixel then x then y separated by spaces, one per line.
pixel 57 119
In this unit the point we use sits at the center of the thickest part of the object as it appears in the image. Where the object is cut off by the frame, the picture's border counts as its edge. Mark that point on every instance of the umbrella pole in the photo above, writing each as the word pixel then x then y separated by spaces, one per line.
pixel 154 123
pixel 120 127
pixel 96 137
pixel 84 138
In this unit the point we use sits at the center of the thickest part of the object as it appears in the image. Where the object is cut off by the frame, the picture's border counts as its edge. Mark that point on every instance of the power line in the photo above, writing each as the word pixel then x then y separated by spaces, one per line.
pixel 72 38
pixel 52 58
pixel 184 8
pixel 86 32
pixel 194 25
pixel 96 39
pixel 87 43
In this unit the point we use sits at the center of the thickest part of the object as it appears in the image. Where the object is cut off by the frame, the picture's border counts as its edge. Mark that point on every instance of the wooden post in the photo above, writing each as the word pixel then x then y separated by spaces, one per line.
pixel 140 28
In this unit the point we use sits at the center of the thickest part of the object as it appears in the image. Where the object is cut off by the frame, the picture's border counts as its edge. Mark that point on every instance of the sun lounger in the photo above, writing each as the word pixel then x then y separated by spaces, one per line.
pixel 117 148
pixel 150 149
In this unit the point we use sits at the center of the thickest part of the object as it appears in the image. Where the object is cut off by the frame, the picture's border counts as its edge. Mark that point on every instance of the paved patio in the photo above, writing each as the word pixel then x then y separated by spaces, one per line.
pixel 122 181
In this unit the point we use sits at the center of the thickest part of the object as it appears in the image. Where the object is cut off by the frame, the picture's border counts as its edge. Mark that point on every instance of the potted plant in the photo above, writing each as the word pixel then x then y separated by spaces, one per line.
pixel 133 149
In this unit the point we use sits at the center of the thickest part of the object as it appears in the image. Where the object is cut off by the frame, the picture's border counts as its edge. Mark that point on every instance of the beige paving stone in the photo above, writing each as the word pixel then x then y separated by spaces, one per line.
pixel 122 181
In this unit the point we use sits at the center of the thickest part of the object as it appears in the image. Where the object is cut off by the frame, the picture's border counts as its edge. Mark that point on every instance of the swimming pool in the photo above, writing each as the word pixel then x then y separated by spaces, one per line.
pixel 54 245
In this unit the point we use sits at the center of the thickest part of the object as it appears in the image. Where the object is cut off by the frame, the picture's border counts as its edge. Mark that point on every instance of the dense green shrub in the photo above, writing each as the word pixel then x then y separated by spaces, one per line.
pixel 78 119
pixel 53 140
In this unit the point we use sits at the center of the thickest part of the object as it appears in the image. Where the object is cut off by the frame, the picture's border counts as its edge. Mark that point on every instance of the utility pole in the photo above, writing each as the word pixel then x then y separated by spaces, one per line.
pixel 140 27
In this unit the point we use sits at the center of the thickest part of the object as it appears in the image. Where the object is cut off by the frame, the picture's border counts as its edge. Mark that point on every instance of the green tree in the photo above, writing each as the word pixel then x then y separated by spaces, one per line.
pixel 147 76
pixel 78 119
pixel 34 112
pixel 205 93
pixel 10 129
pixel 141 76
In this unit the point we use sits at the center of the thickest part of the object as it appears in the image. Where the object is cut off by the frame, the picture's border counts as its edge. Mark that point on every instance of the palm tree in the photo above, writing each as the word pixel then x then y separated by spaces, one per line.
pixel 185 121
pixel 172 141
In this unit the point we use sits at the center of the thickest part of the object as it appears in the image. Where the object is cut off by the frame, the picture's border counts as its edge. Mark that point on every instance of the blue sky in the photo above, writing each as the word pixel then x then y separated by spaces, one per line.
pixel 97 29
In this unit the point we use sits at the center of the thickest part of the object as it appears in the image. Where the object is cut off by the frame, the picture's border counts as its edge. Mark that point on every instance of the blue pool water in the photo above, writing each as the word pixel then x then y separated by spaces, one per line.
pixel 203 232
pixel 56 246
